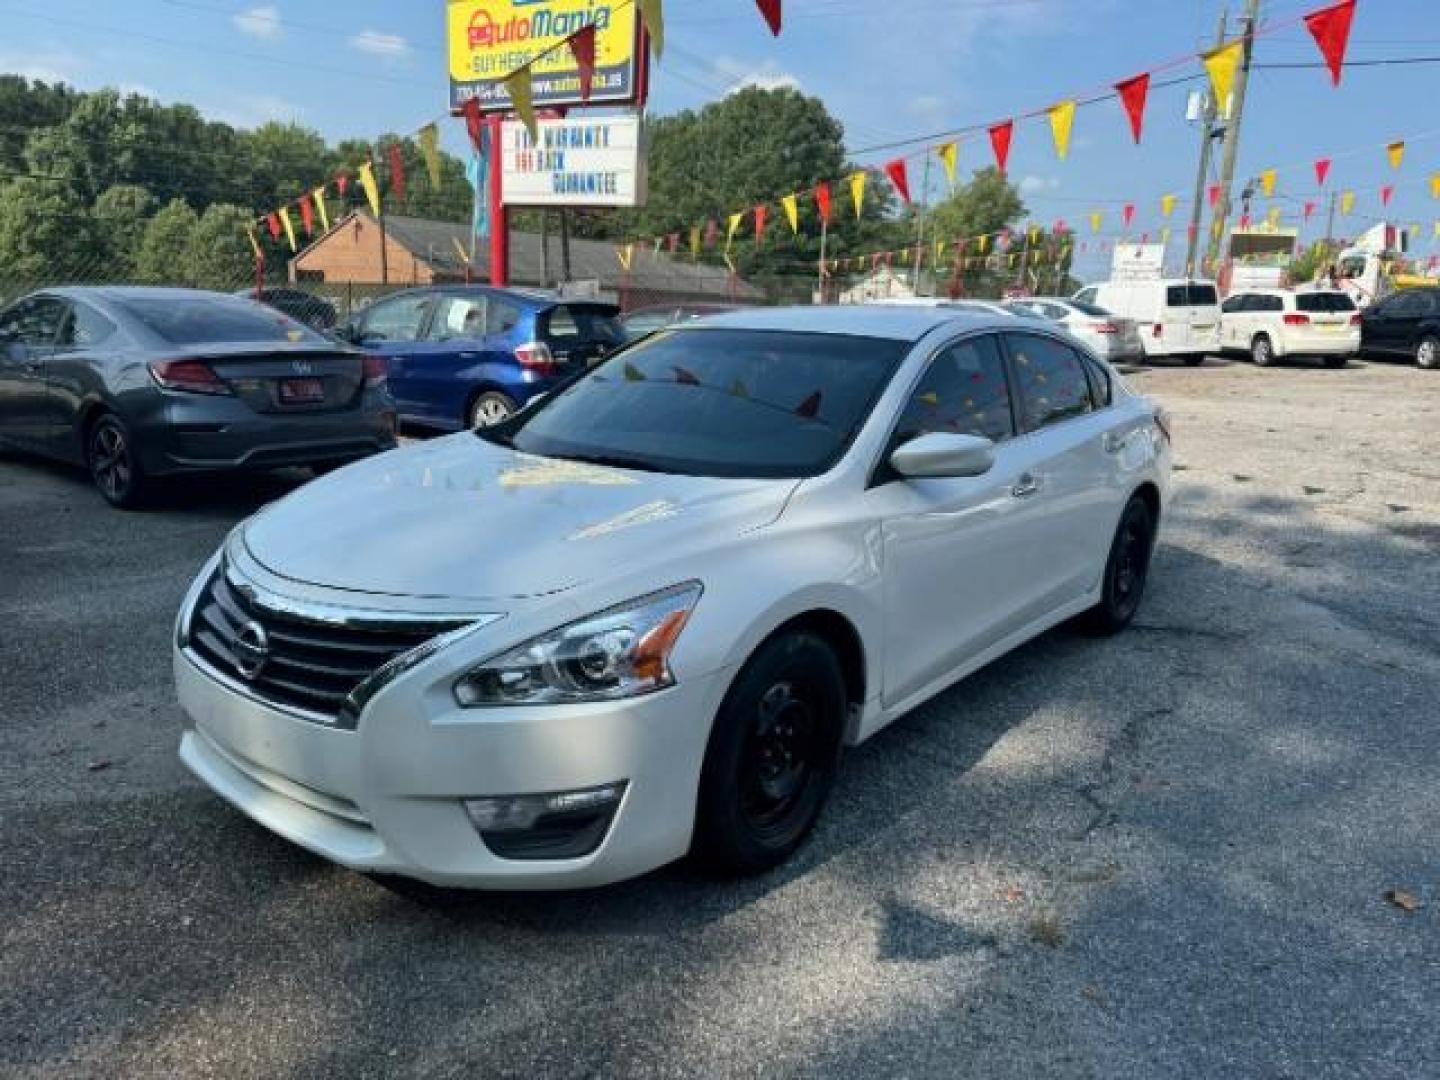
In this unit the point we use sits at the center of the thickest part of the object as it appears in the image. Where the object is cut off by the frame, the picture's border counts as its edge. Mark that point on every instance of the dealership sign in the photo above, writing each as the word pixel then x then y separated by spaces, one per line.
pixel 489 39
pixel 587 161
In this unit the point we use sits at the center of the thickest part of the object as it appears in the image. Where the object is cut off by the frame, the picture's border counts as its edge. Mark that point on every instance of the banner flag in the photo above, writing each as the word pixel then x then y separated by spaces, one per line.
pixel 770 10
pixel 1165 235
pixel 1167 205
pixel 1095 217
pixel 625 255
pixel 1330 27
pixel 1272 217
pixel 460 250
pixel 822 201
pixel 939 249
pixel 1127 214
pixel 260 255
pixel 759 223
pixel 1308 210
pixel 272 222
pixel 895 170
pixel 474 126
pixel 1221 65
pixel 1347 201
pixel 397 171
pixel 732 226
pixel 372 192
pixel 307 216
pixel 1213 194
pixel 947 153
pixel 1000 135
pixel 1386 193
pixel 654 20
pixel 430 150
pixel 1062 119
pixel 1435 185
pixel 1133 92
pixel 982 242
pixel 582 47
pixel 1396 153
pixel 857 190
pixel 792 212
pixel 289 226
pixel 1322 170
pixel 522 99
pixel 1267 183
pixel 695 243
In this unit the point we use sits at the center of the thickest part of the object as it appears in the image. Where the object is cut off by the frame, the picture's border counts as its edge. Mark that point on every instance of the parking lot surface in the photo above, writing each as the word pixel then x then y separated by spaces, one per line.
pixel 1162 854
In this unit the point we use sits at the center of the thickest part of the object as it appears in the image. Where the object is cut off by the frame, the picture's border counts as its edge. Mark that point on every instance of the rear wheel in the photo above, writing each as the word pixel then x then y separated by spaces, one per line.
pixel 1336 361
pixel 490 408
pixel 773 755
pixel 1262 352
pixel 1427 353
pixel 114 463
pixel 1126 570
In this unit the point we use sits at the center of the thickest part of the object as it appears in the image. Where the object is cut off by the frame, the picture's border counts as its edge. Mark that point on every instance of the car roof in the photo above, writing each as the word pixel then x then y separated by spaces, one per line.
pixel 860 320
pixel 135 292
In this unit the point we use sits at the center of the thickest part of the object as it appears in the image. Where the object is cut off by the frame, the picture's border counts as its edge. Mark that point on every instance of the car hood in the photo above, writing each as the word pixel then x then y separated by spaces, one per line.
pixel 462 518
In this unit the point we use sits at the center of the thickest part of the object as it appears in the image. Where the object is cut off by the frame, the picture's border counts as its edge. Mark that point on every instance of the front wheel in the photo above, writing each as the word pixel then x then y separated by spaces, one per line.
pixel 489 409
pixel 114 463
pixel 773 755
pixel 1262 352
pixel 1427 353
pixel 1126 570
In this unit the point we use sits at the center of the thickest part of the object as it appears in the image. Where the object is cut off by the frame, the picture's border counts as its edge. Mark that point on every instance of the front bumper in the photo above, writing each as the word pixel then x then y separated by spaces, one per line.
pixel 386 797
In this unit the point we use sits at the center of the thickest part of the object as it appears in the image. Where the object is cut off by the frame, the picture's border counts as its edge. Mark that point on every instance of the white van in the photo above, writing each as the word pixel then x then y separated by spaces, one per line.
pixel 1177 317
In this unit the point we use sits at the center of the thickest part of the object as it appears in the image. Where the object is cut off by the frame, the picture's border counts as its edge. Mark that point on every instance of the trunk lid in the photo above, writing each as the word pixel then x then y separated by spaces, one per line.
pixel 274 378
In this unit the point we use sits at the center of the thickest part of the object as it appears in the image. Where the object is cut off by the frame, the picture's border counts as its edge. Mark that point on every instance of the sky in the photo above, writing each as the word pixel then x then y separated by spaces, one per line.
pixel 889 70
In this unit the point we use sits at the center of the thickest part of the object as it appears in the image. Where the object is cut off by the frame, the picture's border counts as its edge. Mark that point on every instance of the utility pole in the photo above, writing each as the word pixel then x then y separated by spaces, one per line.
pixel 1232 129
pixel 920 233
pixel 1209 109
pixel 565 244
pixel 1330 222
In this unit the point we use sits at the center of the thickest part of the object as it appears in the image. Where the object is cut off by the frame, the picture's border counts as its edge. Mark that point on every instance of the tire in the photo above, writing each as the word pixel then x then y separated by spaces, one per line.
pixel 1261 351
pixel 1126 571
pixel 489 408
pixel 1336 362
pixel 114 467
pixel 772 757
pixel 1195 360
pixel 1427 353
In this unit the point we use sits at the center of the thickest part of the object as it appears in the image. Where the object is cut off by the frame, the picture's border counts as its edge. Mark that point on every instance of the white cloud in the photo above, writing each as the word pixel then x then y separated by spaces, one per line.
pixel 1033 185
pixel 260 22
pixel 379 44
pixel 737 74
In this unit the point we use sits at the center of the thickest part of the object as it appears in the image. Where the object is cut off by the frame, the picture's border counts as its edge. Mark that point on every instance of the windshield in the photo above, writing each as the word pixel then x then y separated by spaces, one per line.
pixel 756 403
pixel 200 320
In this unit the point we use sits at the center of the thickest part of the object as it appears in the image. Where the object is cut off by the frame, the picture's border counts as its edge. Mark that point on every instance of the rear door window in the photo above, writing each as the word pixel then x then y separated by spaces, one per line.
pixel 458 317
pixel 1267 303
pixel 1323 302
pixel 964 390
pixel 400 318
pixel 1177 296
pixel 1202 295
pixel 1236 304
pixel 1051 380
pixel 501 317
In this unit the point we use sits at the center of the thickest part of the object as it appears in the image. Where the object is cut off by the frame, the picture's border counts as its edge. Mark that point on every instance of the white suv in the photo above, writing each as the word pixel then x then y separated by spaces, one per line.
pixel 1273 323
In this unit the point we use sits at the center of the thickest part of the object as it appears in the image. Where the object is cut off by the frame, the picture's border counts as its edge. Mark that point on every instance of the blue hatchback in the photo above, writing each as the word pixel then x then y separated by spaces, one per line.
pixel 469 356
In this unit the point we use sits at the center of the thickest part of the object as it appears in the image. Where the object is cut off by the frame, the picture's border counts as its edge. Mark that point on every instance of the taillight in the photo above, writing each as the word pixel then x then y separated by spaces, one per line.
pixel 1296 318
pixel 1157 330
pixel 375 369
pixel 535 356
pixel 1106 328
pixel 194 376
pixel 1162 422
pixel 1355 319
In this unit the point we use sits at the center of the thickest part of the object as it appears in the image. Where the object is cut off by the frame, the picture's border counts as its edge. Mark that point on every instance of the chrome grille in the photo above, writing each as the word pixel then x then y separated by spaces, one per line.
pixel 308 664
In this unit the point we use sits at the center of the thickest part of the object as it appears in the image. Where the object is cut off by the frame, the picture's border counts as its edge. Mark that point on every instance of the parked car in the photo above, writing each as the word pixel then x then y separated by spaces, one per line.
pixel 1177 317
pixel 314 311
pixel 1114 338
pixel 987 307
pixel 138 383
pixel 1406 323
pixel 465 356
pixel 643 616
pixel 646 320
pixel 1270 324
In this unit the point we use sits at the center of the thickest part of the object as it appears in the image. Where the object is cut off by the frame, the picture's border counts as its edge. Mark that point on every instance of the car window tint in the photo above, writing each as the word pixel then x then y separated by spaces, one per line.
pixel 1086 296
pixel 1203 296
pixel 1323 301
pixel 197 319
pixel 1405 305
pixel 571 324
pixel 399 319
pixel 37 321
pixel 1095 311
pixel 458 317
pixel 963 390
pixel 85 327
pixel 1270 303
pixel 1101 392
pixel 1177 296
pixel 500 317
pixel 1234 304
pixel 1051 380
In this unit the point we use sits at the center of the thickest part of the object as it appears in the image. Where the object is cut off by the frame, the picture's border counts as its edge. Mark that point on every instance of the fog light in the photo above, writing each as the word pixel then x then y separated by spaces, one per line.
pixel 558 825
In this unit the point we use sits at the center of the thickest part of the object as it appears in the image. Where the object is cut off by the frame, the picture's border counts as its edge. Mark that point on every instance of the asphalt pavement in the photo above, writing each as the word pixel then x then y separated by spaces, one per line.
pixel 1171 853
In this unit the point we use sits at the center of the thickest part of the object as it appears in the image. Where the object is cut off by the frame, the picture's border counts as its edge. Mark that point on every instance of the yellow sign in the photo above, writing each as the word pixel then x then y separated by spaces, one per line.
pixel 490 39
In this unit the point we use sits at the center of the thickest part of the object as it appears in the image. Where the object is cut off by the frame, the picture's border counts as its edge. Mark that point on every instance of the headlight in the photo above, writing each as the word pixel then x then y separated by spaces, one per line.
pixel 618 653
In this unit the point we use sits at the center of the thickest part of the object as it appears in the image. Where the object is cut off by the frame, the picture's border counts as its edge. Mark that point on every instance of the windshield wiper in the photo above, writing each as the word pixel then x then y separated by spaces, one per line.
pixel 612 461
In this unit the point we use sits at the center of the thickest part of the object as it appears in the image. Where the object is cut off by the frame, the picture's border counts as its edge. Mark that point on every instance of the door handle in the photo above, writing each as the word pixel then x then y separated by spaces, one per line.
pixel 1024 487
pixel 1111 443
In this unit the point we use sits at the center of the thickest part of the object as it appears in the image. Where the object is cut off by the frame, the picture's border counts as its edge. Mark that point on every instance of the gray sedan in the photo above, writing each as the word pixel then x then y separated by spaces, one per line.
pixel 138 383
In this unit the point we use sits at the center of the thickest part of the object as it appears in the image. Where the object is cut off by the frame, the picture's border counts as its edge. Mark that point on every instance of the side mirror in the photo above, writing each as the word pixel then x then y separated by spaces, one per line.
pixel 941 454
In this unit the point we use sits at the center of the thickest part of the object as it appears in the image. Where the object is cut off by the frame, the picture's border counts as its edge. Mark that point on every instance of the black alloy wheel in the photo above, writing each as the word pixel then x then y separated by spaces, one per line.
pixel 1126 570
pixel 114 467
pixel 773 755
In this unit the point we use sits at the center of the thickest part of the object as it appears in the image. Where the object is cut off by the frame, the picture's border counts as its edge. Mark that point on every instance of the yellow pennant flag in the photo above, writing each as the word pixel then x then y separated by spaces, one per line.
pixel 1396 153
pixel 1221 64
pixel 319 196
pixel 982 242
pixel 1033 234
pixel 522 99
pixel 792 212
pixel 1272 217
pixel 372 192
pixel 460 250
pixel 1435 185
pixel 1062 119
pixel 430 151
pixel 289 226
pixel 626 255
pixel 1436 234
pixel 260 255
pixel 1095 218
pixel 735 220
pixel 654 20
pixel 1347 201
pixel 947 153
pixel 695 243
pixel 1012 258
pixel 1267 182
pixel 857 190
pixel 939 249
pixel 905 256
pixel 1165 235
pixel 1167 205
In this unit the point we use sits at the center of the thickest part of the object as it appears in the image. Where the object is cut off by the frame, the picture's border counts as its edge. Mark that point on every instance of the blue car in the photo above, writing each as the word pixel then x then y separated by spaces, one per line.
pixel 461 356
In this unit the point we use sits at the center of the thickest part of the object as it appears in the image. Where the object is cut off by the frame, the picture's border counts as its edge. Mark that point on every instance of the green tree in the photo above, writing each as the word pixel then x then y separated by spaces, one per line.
pixel 46 236
pixel 165 245
pixel 218 255
pixel 987 204
pixel 120 215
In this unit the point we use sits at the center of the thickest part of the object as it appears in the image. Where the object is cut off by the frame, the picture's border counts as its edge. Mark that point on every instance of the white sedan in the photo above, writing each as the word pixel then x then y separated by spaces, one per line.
pixel 1106 334
pixel 644 616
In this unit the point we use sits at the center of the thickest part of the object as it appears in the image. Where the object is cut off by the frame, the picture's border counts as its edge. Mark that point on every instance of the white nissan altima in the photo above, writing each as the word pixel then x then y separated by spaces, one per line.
pixel 644 616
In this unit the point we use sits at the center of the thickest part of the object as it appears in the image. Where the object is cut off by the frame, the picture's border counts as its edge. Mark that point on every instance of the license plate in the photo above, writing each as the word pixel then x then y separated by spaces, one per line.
pixel 301 391
pixel 1202 326
pixel 1329 327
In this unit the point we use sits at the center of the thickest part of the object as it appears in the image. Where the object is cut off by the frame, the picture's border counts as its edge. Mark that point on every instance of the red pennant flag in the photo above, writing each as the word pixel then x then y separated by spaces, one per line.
pixel 1000 142
pixel 582 47
pixel 770 9
pixel 397 172
pixel 895 170
pixel 342 182
pixel 1331 29
pixel 1322 170
pixel 1308 210
pixel 1132 95
pixel 307 216
pixel 1385 193
pixel 1128 214
pixel 272 222
pixel 673 242
pixel 822 200
pixel 473 124
pixel 1244 221
pixel 1213 194
pixel 760 223
pixel 712 233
